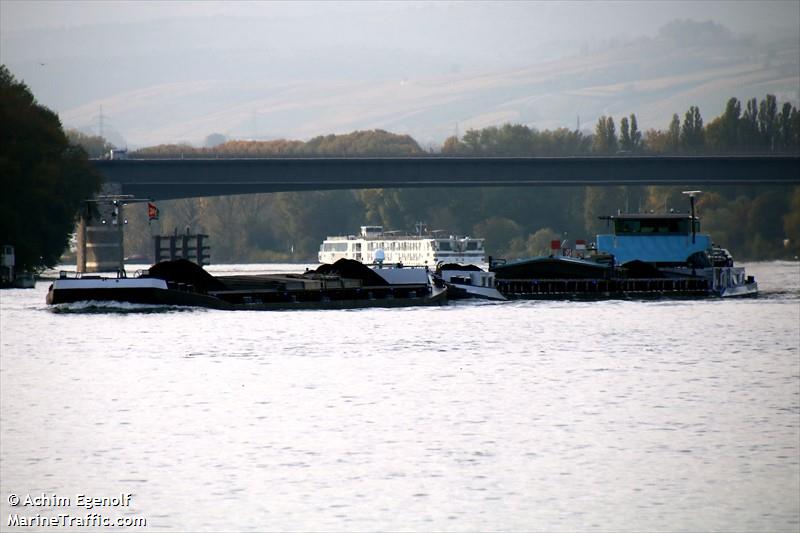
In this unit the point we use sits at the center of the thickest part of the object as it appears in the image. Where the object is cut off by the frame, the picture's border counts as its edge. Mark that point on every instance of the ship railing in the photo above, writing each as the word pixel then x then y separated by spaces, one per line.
pixel 68 274
pixel 386 264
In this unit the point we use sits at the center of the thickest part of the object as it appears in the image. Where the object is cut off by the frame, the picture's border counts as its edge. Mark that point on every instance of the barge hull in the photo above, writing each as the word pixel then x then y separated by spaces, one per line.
pixel 252 301
pixel 136 295
pixel 532 289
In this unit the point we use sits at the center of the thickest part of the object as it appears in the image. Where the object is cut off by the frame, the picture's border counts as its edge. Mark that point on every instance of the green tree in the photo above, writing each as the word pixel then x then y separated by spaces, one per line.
pixel 602 201
pixel 791 224
pixel 498 232
pixel 605 136
pixel 765 223
pixel 788 137
pixel 674 134
pixel 630 138
pixel 730 124
pixel 748 127
pixel 635 135
pixel 656 141
pixel 45 180
pixel 625 142
pixel 768 122
pixel 692 132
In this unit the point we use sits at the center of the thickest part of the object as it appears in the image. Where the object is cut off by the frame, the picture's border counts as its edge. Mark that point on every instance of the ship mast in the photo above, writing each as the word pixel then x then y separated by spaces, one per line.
pixel 692 194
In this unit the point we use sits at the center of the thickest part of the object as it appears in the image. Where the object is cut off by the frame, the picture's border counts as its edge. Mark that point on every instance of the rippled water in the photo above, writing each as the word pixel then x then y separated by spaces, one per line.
pixel 558 416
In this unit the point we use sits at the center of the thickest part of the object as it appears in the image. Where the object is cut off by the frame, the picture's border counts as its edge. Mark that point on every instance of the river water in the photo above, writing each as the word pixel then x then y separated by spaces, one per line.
pixel 522 416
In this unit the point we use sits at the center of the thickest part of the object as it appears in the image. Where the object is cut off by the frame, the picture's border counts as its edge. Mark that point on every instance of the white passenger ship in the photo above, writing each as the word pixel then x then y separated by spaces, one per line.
pixel 423 249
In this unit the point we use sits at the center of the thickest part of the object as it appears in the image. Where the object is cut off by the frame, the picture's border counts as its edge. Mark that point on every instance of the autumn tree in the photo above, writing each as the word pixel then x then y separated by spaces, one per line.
pixel 722 133
pixel 94 145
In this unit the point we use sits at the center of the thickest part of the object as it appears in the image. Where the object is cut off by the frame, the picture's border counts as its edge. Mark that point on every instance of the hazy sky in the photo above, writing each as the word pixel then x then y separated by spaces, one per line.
pixel 552 19
pixel 79 55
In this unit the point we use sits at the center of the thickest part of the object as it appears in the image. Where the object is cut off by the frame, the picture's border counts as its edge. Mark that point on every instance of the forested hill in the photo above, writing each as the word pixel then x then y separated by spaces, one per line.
pixel 753 222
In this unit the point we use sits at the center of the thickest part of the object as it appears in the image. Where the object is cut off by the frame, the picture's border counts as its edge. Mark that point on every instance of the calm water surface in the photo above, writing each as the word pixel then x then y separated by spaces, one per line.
pixel 555 416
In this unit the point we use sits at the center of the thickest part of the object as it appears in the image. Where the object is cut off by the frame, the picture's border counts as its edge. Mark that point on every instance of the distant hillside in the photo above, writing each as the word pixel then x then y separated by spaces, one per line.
pixel 688 63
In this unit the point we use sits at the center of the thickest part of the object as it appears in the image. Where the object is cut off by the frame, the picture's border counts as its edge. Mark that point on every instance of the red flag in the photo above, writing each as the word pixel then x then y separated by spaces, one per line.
pixel 152 211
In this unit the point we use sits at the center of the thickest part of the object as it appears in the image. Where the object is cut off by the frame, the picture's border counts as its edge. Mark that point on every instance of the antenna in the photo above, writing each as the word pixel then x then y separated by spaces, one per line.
pixel 692 194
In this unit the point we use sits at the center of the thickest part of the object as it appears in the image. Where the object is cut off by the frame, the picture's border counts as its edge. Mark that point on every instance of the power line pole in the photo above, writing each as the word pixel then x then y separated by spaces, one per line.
pixel 100 120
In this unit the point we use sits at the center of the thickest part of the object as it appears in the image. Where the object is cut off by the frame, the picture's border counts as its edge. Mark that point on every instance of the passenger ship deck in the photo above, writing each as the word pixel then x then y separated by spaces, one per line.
pixel 421 249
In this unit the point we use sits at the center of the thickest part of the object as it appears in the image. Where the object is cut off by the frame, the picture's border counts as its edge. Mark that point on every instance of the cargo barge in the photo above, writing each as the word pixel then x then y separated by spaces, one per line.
pixel 344 285
pixel 645 255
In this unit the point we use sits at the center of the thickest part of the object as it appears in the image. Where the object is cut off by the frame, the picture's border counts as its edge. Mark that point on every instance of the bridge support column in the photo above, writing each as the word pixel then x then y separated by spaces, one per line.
pixel 100 236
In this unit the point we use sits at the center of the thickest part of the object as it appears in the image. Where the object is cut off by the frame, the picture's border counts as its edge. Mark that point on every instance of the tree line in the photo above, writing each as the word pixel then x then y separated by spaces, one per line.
pixel 44 178
pixel 754 222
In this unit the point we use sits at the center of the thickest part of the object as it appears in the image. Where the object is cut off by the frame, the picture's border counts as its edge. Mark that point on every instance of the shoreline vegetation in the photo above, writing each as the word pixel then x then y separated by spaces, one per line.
pixel 755 223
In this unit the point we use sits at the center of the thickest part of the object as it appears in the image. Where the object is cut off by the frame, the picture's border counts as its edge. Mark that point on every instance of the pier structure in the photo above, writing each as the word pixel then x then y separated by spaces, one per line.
pixel 191 247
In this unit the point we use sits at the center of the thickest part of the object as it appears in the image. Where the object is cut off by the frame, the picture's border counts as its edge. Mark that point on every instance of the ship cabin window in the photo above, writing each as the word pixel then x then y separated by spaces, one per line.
pixel 472 245
pixel 444 245
pixel 650 226
pixel 357 246
pixel 334 247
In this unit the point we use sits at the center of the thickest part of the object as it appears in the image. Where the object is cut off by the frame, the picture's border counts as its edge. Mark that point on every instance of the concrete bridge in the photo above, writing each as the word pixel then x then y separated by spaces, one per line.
pixel 166 179
pixel 100 239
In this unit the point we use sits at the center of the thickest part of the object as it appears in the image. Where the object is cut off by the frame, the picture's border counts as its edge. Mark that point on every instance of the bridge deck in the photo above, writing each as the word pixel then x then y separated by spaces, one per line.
pixel 184 178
